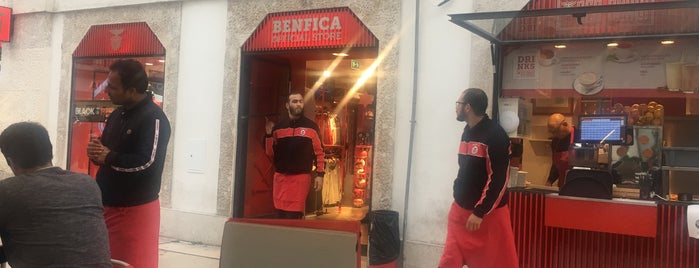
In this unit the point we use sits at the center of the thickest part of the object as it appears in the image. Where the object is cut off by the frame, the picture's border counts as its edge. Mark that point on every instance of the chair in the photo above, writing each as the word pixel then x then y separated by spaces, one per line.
pixel 115 264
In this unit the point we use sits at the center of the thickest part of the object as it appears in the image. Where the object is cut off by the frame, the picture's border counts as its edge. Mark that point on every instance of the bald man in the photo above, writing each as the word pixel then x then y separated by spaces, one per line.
pixel 562 134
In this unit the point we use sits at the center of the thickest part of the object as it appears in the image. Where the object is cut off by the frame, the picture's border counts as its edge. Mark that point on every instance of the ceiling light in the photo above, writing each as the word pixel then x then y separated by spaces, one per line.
pixel 149 64
pixel 613 44
pixel 161 61
pixel 560 46
pixel 326 73
pixel 340 54
pixel 667 42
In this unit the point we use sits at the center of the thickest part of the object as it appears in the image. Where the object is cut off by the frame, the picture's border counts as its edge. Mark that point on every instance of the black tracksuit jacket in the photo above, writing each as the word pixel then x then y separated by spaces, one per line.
pixel 484 159
pixel 296 147
pixel 137 139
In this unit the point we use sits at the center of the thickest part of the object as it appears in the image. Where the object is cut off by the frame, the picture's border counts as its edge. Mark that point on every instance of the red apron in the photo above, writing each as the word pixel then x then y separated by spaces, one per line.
pixel 290 191
pixel 134 233
pixel 560 159
pixel 493 245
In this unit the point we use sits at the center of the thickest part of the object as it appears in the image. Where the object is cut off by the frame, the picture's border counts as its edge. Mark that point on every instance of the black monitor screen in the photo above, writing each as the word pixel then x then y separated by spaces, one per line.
pixel 609 129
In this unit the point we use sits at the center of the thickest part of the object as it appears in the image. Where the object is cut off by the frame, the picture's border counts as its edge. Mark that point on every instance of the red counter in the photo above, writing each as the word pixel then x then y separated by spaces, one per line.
pixel 553 231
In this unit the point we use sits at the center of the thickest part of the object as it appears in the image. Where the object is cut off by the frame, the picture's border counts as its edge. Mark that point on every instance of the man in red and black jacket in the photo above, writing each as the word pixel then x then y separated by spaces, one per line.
pixel 296 147
pixel 479 232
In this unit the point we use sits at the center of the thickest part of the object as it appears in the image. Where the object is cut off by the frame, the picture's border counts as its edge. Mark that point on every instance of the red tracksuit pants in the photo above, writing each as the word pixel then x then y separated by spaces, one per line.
pixel 492 245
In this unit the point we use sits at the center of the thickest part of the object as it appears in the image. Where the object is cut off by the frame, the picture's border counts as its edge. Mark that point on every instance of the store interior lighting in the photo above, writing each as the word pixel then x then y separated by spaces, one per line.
pixel 667 42
pixel 560 46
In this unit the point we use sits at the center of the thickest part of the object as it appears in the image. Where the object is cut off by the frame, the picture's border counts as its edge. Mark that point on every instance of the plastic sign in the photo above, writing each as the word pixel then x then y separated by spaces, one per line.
pixel 5 23
pixel 326 28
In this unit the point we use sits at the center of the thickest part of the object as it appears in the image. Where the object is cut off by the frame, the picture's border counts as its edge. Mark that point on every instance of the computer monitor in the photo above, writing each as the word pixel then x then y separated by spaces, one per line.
pixel 602 129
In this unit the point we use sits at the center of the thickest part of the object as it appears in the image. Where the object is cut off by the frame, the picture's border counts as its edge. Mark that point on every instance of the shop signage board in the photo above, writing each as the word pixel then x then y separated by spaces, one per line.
pixel 119 40
pixel 5 23
pixel 93 111
pixel 324 28
pixel 637 65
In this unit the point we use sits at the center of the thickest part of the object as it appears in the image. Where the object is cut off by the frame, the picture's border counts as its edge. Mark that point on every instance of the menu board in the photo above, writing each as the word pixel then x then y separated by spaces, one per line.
pixel 589 67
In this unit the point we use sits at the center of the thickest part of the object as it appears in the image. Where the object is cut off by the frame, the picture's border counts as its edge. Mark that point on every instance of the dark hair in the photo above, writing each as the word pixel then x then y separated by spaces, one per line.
pixel 478 100
pixel 132 74
pixel 295 92
pixel 27 144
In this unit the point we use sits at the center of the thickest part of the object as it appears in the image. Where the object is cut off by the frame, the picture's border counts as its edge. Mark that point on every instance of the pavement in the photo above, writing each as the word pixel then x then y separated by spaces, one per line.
pixel 180 254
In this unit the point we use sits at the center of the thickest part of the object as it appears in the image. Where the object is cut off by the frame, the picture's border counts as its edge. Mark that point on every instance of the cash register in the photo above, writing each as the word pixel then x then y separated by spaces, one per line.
pixel 589 157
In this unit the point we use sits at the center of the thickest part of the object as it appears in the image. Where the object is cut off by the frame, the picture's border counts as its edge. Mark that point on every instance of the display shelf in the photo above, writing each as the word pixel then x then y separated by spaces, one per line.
pixel 670 168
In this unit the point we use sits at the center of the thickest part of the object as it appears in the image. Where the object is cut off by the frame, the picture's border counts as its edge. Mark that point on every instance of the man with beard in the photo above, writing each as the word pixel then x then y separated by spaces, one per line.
pixel 296 147
pixel 479 232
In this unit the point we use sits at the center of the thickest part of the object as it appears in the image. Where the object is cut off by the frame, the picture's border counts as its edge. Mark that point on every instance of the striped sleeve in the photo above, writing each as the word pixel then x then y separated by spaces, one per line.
pixel 145 153
pixel 497 168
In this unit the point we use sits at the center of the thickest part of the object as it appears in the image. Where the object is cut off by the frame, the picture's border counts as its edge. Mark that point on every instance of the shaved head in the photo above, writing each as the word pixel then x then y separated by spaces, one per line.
pixel 556 119
pixel 557 126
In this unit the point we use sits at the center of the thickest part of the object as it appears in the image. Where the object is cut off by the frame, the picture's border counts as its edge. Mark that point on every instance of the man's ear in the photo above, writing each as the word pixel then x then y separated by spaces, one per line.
pixel 564 123
pixel 9 162
pixel 131 91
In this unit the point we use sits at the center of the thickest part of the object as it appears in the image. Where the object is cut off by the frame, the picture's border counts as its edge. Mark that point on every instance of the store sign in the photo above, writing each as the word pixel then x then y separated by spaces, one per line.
pixel 93 111
pixel 5 23
pixel 329 28
pixel 354 64
pixel 119 40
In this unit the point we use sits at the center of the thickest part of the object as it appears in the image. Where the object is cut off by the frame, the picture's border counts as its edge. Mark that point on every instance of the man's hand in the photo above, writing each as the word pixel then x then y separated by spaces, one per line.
pixel 473 223
pixel 318 183
pixel 269 125
pixel 549 184
pixel 97 152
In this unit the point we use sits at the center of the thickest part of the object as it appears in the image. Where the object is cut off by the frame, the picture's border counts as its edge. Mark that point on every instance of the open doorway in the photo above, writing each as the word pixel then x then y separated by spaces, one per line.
pixel 340 96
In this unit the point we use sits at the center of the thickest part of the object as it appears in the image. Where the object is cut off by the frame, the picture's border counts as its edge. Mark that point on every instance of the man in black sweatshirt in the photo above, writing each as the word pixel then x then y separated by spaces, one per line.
pixel 131 156
pixel 296 146
pixel 479 232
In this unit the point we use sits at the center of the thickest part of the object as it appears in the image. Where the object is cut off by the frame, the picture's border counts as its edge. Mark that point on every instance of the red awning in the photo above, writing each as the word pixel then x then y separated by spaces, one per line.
pixel 310 29
pixel 119 40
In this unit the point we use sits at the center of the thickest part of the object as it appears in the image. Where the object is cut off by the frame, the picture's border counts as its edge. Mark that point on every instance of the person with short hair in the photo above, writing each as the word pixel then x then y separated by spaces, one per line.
pixel 49 217
pixel 295 144
pixel 131 156
pixel 479 231
pixel 562 135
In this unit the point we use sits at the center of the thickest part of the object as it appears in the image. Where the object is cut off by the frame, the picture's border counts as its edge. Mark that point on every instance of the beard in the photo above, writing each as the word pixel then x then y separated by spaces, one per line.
pixel 461 117
pixel 297 111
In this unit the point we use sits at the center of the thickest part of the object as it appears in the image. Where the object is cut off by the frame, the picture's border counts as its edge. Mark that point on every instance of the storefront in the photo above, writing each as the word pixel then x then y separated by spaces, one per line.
pixel 589 61
pixel 329 56
pixel 101 46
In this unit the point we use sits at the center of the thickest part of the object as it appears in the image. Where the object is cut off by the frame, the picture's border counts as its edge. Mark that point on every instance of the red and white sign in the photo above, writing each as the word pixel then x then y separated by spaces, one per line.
pixel 119 40
pixel 5 23
pixel 327 28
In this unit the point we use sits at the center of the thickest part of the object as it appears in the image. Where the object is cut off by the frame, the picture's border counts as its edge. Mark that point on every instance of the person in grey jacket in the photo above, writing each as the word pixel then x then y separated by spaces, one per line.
pixel 49 217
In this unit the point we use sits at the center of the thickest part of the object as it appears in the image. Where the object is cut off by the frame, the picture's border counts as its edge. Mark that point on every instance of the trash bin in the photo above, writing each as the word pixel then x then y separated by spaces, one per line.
pixel 384 239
